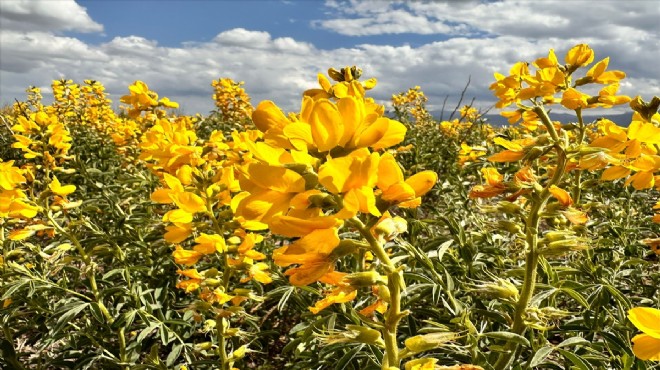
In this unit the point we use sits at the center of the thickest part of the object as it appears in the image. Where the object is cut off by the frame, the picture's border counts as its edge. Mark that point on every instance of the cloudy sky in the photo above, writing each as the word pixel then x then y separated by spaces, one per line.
pixel 278 47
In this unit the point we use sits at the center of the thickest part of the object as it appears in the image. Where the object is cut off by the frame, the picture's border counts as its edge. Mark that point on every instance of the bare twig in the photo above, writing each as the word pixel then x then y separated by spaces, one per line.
pixel 461 98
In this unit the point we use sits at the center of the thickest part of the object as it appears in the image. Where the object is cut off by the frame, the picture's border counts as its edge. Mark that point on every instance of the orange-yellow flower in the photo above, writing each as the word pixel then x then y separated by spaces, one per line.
pixel 56 187
pixel 313 254
pixel 494 184
pixel 210 243
pixel 579 55
pixel 186 257
pixel 561 195
pixel 646 346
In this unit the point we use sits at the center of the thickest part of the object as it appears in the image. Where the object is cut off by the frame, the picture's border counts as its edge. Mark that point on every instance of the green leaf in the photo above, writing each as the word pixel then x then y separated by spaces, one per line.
pixel 174 355
pixel 574 341
pixel 508 336
pixel 580 363
pixel 72 310
pixel 577 296
pixel 540 355
pixel 346 359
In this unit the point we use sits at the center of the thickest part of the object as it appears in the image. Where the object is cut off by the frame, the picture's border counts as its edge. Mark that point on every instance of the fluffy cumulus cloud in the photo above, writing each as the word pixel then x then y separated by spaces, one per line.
pixel 474 39
pixel 46 15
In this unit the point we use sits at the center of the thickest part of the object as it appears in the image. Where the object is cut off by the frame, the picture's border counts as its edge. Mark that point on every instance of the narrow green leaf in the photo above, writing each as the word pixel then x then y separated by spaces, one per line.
pixel 508 336
pixel 574 341
pixel 540 355
pixel 580 363
pixel 577 296
pixel 174 355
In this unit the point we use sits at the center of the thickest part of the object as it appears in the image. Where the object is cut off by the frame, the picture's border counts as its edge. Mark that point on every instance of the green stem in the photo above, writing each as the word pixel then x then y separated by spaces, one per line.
pixel 395 285
pixel 577 190
pixel 226 276
pixel 122 348
pixel 531 260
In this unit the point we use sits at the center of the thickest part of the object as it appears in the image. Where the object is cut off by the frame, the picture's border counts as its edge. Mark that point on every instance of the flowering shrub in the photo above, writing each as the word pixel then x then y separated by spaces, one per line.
pixel 335 236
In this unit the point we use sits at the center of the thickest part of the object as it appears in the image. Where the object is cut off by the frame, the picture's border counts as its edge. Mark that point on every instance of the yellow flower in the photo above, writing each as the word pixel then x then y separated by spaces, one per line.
pixel 60 190
pixel 515 150
pixel 562 195
pixel 313 252
pixel 209 244
pixel 353 171
pixel 10 176
pixel 341 294
pixel 298 227
pixel 494 184
pixel 579 55
pixel 186 257
pixel 323 125
pixel 646 346
pixel 267 192
pixel 598 74
pixel 178 232
pixel 574 99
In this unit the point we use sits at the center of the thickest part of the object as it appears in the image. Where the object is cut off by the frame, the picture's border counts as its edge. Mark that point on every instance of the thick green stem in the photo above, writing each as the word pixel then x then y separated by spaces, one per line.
pixel 226 276
pixel 395 285
pixel 531 239
pixel 122 348
pixel 577 179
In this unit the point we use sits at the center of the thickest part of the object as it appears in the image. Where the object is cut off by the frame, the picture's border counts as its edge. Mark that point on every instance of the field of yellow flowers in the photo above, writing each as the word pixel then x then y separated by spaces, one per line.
pixel 340 236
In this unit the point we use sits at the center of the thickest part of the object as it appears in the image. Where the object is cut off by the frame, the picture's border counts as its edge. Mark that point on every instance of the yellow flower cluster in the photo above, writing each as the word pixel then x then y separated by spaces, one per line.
pixel 317 170
pixel 198 179
pixel 552 78
pixel 631 152
pixel 142 99
pixel 410 107
pixel 231 100
pixel 14 203
pixel 89 105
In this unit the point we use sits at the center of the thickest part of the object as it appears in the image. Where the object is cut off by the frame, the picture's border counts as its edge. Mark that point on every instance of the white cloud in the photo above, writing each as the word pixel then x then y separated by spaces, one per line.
pixel 280 69
pixel 45 15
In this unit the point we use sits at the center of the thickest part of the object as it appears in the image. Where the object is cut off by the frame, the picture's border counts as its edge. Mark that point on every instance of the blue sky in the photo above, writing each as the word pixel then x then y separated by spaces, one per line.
pixel 278 47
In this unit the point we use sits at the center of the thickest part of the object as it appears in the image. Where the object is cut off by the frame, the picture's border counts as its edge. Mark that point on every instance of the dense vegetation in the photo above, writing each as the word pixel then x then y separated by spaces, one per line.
pixel 336 237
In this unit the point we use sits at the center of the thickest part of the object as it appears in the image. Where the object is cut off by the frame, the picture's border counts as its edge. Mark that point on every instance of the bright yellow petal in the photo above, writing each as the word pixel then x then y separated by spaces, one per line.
pixel 178 216
pixel 296 227
pixel 327 125
pixel 276 178
pixel 352 113
pixel 268 115
pixel 562 195
pixel 177 233
pixel 422 182
pixel 189 202
pixel 60 190
pixel 646 319
pixel 646 347
pixel 389 172
pixel 614 173
pixel 506 156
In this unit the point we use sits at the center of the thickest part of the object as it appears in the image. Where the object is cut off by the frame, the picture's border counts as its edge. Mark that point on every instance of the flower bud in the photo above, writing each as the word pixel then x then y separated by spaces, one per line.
pixel 561 247
pixel 389 228
pixel 509 226
pixel 500 288
pixel 427 342
pixel 335 74
pixel 203 346
pixel 509 208
pixel 364 279
pixel 347 246
pixel 356 334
